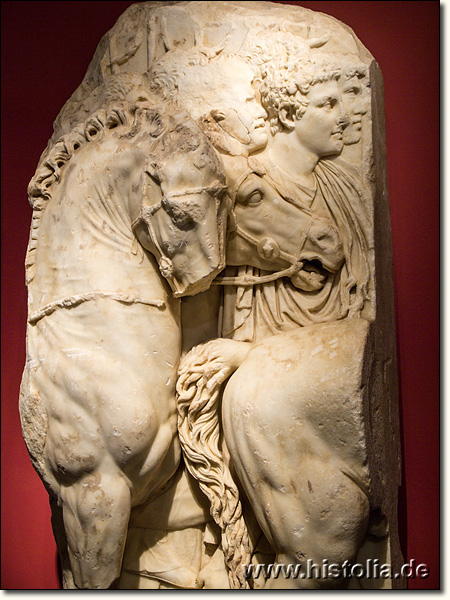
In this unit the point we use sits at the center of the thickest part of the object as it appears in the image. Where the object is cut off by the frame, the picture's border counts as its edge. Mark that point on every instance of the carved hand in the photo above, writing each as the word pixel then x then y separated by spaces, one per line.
pixel 214 362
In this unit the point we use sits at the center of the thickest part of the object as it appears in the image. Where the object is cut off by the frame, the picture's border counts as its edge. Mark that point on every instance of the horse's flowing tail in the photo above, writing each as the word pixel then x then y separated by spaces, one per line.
pixel 199 432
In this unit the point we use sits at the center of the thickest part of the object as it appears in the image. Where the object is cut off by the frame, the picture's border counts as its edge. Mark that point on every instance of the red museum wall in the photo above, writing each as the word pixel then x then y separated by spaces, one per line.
pixel 46 48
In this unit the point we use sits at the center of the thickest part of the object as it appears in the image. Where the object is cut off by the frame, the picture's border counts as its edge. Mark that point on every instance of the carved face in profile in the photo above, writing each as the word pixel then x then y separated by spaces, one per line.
pixel 321 128
pixel 245 123
pixel 355 106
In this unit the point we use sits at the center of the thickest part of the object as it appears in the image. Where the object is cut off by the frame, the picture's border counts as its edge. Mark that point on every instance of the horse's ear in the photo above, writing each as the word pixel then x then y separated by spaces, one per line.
pixel 151 169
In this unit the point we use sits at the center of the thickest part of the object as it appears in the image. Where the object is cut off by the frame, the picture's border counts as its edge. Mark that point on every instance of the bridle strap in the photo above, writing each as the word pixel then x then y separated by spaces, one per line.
pixel 249 280
pixel 252 240
pixel 211 189
pixel 146 212
pixel 145 216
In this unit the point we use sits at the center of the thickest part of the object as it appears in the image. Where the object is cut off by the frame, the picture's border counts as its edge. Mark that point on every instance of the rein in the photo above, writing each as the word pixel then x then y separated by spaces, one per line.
pixel 249 280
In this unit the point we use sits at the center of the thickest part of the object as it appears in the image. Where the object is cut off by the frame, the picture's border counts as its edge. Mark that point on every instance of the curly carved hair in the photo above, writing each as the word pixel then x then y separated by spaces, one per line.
pixel 287 89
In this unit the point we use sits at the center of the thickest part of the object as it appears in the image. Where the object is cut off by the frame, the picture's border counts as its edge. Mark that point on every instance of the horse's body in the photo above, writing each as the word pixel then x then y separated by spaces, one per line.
pixel 103 343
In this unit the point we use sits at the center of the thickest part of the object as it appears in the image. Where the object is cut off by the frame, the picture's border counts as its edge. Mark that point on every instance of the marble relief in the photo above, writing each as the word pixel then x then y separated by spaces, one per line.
pixel 210 382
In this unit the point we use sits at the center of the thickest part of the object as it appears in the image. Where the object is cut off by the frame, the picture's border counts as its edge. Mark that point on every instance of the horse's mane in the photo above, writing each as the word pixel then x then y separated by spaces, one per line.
pixel 59 153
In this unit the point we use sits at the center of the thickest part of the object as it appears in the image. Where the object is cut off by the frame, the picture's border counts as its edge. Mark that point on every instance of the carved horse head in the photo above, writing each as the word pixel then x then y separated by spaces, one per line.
pixel 312 250
pixel 184 208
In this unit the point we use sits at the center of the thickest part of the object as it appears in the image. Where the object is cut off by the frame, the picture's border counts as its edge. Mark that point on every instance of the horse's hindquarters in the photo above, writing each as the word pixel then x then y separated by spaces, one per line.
pixel 293 425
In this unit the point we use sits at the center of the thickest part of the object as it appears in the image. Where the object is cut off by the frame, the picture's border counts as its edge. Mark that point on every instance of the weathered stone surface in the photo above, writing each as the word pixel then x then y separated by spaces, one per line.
pixel 211 378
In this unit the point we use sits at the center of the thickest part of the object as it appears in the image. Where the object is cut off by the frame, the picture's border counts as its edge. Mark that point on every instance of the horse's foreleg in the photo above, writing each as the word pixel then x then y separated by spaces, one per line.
pixel 313 514
pixel 96 510
pixel 61 542
pixel 317 524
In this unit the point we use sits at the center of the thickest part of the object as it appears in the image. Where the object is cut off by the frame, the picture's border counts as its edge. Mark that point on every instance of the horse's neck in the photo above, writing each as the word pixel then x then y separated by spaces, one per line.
pixel 101 181
pixel 85 241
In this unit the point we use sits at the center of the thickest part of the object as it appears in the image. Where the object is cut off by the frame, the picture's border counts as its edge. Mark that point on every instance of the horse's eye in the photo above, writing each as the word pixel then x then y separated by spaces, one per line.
pixel 183 215
pixel 252 199
pixel 256 197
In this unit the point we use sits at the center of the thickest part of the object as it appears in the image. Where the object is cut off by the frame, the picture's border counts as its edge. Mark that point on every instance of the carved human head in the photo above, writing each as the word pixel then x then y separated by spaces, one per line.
pixel 352 86
pixel 305 98
pixel 216 92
